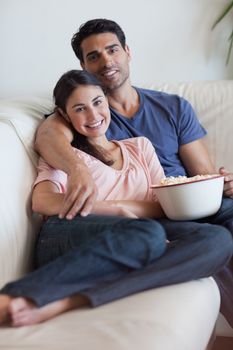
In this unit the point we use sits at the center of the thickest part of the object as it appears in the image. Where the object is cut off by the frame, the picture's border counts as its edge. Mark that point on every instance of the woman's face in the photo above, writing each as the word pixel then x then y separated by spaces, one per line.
pixel 88 111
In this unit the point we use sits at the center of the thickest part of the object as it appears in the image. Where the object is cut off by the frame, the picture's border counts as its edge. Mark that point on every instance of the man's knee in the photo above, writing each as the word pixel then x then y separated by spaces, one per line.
pixel 220 240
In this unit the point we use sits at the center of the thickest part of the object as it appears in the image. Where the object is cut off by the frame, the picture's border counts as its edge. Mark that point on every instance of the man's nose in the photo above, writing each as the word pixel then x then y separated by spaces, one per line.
pixel 106 60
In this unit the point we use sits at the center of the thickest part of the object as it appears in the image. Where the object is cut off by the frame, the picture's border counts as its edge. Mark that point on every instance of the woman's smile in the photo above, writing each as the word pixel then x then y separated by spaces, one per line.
pixel 95 125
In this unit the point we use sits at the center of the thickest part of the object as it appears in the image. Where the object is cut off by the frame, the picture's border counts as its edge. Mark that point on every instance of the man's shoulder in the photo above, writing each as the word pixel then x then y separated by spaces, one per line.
pixel 167 100
pixel 159 96
pixel 154 92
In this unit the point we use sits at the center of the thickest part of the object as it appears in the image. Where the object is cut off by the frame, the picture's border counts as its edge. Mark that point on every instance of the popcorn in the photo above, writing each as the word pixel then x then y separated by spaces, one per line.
pixel 171 180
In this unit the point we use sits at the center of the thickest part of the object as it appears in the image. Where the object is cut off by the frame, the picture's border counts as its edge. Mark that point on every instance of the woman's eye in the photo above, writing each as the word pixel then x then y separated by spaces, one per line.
pixel 79 109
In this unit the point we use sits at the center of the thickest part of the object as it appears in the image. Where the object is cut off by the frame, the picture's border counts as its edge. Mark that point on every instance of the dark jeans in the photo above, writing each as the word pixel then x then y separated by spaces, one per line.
pixel 224 278
pixel 149 276
pixel 72 256
pixel 106 258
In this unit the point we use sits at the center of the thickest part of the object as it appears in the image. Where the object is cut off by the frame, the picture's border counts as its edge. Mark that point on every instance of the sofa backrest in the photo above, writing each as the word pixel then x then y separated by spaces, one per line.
pixel 213 102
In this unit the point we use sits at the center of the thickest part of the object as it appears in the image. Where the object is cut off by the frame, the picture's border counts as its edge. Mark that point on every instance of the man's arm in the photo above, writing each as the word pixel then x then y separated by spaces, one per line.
pixel 196 160
pixel 53 140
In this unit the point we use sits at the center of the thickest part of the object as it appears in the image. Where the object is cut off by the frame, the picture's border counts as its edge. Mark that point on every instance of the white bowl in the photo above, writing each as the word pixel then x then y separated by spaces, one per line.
pixel 191 200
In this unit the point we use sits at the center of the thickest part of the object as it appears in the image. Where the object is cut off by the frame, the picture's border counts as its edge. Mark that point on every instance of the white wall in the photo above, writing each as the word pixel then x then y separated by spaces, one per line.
pixel 170 40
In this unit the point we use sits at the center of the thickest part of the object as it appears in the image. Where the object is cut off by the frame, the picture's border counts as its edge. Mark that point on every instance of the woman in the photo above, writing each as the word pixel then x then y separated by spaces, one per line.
pixel 76 257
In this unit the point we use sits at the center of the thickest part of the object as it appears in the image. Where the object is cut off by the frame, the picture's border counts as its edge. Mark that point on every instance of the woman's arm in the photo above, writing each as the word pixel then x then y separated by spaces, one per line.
pixel 47 200
pixel 140 209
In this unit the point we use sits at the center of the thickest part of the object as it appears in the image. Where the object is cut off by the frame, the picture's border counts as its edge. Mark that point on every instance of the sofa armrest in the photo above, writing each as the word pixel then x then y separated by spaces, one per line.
pixel 18 226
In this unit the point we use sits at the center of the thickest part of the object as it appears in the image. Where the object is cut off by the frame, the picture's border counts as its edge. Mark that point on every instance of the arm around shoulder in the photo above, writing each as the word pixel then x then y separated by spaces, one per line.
pixel 53 142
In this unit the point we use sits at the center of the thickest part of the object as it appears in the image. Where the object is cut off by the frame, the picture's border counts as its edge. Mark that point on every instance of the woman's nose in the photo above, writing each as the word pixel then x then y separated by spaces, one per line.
pixel 92 114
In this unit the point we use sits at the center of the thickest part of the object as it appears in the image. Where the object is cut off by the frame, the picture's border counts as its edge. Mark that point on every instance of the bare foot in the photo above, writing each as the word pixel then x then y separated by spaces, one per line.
pixel 4 308
pixel 24 312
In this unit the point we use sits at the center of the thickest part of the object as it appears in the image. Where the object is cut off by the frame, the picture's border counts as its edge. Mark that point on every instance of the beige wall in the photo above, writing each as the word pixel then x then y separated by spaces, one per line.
pixel 170 40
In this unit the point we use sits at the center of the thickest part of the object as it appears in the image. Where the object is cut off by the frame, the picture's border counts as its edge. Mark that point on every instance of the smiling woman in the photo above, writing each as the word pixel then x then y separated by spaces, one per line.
pixel 83 104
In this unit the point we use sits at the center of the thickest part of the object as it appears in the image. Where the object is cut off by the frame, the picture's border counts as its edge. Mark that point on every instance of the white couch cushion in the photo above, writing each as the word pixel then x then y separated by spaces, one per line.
pixel 179 317
pixel 18 122
pixel 213 103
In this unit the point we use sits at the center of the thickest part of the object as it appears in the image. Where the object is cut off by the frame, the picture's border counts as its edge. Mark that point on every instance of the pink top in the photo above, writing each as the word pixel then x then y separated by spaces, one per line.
pixel 141 168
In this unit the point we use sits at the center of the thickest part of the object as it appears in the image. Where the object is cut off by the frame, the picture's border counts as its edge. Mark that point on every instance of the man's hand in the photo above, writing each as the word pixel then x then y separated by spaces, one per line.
pixel 228 185
pixel 81 194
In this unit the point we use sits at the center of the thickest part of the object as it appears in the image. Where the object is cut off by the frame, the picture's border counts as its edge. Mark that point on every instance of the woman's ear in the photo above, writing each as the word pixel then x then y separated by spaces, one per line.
pixel 63 114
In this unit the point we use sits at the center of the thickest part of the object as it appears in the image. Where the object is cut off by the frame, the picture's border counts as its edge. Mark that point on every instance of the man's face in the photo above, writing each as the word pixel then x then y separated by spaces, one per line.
pixel 104 57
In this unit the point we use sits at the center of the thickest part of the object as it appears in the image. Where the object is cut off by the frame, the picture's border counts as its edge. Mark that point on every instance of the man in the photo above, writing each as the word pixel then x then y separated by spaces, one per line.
pixel 167 120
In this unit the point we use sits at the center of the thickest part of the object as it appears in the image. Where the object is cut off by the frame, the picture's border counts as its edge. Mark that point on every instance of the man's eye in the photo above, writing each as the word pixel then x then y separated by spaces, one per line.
pixel 92 58
pixel 114 49
pixel 97 103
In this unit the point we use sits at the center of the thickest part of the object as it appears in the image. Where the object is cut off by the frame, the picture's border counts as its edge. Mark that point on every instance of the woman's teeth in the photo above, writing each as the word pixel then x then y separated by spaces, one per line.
pixel 95 125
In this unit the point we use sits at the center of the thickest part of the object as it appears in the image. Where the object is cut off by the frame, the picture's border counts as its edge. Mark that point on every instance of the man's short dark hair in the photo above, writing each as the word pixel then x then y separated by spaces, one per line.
pixel 95 26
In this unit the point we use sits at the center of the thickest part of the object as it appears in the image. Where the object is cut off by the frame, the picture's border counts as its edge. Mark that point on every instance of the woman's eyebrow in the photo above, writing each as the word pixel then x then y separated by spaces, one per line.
pixel 78 104
pixel 96 98
pixel 83 104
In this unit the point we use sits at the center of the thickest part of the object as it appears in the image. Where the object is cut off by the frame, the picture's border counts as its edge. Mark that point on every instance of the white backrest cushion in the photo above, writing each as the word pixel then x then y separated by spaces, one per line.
pixel 213 103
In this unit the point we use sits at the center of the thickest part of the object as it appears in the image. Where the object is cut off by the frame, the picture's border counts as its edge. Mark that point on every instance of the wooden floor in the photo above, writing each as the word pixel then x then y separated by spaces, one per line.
pixel 223 343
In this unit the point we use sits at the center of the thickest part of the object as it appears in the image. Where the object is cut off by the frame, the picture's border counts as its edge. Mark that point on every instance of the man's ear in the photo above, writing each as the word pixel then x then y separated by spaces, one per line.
pixel 127 50
pixel 63 114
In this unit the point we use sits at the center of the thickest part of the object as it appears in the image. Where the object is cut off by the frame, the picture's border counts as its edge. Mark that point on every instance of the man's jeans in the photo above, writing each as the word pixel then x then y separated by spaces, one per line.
pixel 224 278
pixel 148 277
pixel 106 258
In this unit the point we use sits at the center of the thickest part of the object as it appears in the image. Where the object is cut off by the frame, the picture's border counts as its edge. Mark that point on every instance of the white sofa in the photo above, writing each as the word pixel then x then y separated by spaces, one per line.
pixel 180 317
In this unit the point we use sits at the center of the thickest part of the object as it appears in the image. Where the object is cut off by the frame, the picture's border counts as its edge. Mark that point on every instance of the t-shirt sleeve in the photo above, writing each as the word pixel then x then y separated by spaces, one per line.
pixel 154 167
pixel 190 128
pixel 47 173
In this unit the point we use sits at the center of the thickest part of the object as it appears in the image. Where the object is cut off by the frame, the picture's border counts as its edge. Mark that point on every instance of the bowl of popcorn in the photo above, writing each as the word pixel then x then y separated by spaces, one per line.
pixel 190 198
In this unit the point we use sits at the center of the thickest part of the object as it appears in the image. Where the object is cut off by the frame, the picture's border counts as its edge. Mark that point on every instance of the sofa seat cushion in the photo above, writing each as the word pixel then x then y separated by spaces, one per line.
pixel 153 320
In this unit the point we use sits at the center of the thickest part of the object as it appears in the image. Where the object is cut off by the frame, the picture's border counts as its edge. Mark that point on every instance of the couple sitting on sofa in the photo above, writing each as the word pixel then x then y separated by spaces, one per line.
pixel 114 252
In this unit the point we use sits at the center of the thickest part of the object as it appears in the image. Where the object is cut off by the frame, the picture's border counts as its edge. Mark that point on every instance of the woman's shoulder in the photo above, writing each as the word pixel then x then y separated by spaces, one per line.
pixel 140 142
